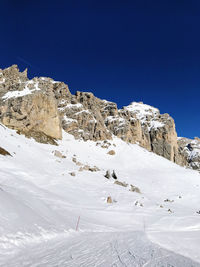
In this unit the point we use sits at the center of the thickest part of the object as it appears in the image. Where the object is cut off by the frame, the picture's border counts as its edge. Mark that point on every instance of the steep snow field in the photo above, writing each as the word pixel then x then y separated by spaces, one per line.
pixel 40 202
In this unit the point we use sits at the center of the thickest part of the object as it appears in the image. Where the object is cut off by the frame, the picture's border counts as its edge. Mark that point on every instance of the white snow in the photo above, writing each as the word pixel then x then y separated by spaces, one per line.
pixel 78 105
pixel 83 111
pixel 141 109
pixel 115 118
pixel 93 121
pixel 156 124
pixel 3 80
pixel 62 108
pixel 55 81
pixel 25 91
pixel 40 203
pixel 63 101
pixel 44 78
pixel 68 120
pixel 49 79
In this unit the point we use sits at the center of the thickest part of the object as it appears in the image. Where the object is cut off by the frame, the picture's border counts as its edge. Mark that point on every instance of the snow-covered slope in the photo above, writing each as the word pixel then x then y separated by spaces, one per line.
pixel 41 201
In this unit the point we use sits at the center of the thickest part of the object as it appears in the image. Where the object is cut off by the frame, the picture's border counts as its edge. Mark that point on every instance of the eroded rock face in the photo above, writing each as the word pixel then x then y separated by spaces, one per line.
pixel 82 117
pixel 158 130
pixel 143 124
pixel 36 112
pixel 28 105
pixel 42 107
pixel 190 151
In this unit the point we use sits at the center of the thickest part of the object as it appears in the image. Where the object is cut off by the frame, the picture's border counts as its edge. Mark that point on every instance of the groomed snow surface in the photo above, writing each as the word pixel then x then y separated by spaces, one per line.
pixel 40 202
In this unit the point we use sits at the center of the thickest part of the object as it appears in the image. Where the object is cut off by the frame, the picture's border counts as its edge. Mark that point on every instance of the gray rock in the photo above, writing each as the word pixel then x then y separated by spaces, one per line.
pixel 109 200
pixel 114 176
pixel 41 108
pixel 107 175
pixel 190 152
pixel 4 152
pixel 134 189
pixel 58 154
pixel 111 152
pixel 121 183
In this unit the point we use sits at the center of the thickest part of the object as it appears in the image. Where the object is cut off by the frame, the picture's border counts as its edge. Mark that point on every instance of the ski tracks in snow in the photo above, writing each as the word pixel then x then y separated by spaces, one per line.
pixel 97 249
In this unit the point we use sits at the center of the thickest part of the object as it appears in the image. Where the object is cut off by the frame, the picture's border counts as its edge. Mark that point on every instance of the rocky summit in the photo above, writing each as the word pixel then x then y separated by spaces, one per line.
pixel 41 108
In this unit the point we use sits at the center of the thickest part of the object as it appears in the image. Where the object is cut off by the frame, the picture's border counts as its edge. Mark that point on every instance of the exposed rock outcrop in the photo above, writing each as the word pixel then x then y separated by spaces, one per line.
pixel 135 189
pixel 4 152
pixel 58 154
pixel 28 105
pixel 42 107
pixel 109 200
pixel 152 130
pixel 190 151
pixel 124 184
pixel 82 117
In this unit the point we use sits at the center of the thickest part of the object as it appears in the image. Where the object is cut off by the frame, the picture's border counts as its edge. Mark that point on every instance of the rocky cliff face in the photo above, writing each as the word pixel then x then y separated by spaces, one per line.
pixel 190 151
pixel 42 107
pixel 28 106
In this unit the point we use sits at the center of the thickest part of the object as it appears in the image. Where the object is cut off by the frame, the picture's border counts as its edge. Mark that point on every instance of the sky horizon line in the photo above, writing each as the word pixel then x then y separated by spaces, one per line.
pixel 128 51
pixel 21 69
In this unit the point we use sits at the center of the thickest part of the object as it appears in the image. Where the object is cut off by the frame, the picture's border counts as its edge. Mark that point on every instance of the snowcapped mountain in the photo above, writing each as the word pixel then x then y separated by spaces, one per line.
pixel 42 107
pixel 85 188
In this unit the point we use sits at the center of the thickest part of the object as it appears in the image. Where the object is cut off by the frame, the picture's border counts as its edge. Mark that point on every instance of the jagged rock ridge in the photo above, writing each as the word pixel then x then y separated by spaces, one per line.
pixel 41 107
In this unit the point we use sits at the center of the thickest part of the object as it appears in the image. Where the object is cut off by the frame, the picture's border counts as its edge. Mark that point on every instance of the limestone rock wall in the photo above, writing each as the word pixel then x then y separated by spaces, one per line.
pixel 190 151
pixel 28 105
pixel 42 106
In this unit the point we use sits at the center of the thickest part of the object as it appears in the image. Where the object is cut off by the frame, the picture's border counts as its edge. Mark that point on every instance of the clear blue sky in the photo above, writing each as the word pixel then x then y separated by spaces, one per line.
pixel 122 51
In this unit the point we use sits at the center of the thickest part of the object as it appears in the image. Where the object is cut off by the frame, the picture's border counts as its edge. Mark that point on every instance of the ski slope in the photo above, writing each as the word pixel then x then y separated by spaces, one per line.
pixel 40 202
